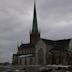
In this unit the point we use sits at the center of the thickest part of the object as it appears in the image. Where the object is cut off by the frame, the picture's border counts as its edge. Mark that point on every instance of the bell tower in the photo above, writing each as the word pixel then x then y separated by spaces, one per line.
pixel 34 35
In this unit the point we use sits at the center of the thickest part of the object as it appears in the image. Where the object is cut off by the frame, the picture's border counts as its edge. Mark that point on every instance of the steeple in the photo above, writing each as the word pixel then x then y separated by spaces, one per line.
pixel 34 27
pixel 34 35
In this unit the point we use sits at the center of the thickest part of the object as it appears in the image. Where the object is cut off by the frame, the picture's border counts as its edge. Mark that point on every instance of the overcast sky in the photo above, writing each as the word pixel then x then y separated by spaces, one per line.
pixel 54 22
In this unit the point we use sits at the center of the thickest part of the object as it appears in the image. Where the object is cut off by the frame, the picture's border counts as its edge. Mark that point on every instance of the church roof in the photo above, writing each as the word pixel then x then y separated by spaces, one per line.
pixel 25 46
pixel 56 42
pixel 62 42
pixel 61 45
pixel 49 42
pixel 58 45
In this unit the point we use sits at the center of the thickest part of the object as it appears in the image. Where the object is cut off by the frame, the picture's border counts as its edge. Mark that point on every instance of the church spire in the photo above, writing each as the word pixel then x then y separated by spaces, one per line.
pixel 34 27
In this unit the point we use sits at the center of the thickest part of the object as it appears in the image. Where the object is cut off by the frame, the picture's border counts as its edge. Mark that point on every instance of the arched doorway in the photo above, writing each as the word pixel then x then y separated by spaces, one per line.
pixel 40 56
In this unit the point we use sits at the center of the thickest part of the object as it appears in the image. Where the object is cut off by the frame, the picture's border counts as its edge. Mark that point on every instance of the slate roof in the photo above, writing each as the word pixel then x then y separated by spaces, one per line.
pixel 58 45
pixel 49 42
pixel 56 42
pixel 62 42
pixel 26 46
pixel 61 45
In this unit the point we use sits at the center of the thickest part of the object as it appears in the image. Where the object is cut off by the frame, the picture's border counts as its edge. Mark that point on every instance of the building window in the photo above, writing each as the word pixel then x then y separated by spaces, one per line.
pixel 20 61
pixel 25 51
pixel 53 58
pixel 40 57
pixel 30 51
pixel 25 61
pixel 30 60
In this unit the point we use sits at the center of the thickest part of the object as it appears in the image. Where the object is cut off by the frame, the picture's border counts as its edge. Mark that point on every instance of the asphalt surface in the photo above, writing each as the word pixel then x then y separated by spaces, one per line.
pixel 20 68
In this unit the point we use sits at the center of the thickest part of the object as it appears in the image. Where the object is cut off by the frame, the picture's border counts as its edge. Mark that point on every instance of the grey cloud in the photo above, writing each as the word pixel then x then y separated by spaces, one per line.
pixel 54 21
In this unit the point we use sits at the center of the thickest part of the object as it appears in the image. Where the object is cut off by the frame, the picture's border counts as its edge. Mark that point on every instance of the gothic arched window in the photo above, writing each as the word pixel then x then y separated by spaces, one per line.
pixel 40 56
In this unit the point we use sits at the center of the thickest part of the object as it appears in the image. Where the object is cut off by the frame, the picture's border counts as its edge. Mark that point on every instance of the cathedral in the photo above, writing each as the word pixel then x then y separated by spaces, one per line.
pixel 41 51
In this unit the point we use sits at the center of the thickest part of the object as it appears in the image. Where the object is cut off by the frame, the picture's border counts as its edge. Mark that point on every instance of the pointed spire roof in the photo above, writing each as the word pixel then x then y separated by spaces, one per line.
pixel 34 27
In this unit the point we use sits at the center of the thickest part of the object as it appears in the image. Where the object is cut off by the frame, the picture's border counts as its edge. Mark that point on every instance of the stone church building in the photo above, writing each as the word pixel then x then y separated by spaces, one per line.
pixel 41 51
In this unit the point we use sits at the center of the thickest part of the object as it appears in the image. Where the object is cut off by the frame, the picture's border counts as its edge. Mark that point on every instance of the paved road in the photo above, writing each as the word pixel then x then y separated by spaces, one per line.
pixel 37 68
